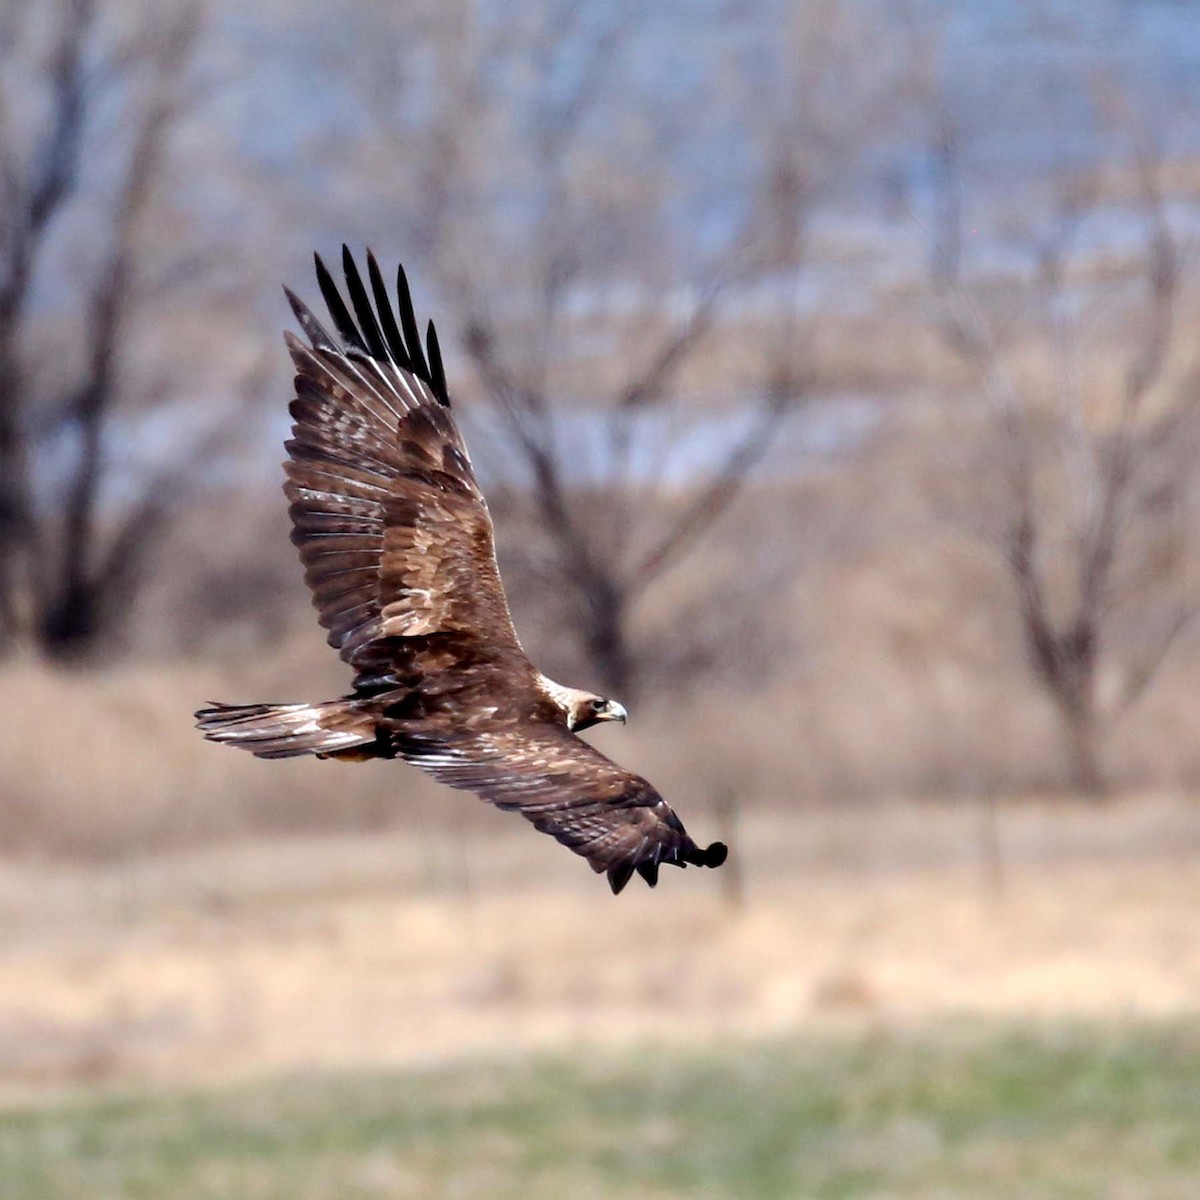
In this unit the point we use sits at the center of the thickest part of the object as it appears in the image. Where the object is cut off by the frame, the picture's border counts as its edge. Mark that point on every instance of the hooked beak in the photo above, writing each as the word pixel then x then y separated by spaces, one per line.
pixel 615 712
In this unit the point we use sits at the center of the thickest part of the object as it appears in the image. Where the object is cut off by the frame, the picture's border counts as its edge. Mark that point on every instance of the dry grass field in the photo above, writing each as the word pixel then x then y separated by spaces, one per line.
pixel 457 941
pixel 898 1005
pixel 222 979
pixel 174 913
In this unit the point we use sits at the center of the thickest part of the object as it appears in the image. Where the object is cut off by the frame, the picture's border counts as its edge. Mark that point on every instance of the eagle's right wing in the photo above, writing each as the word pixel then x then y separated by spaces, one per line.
pixel 391 526
pixel 611 817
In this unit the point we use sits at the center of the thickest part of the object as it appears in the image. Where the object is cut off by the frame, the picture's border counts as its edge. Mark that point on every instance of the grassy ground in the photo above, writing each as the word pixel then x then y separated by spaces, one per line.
pixel 908 1000
pixel 262 958
pixel 975 1111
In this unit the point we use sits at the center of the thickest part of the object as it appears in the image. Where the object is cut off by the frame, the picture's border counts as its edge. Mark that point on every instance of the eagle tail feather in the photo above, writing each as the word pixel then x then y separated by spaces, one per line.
pixel 288 730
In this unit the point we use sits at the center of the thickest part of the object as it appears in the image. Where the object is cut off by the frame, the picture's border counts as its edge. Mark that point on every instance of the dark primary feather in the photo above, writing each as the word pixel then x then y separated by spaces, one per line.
pixel 437 375
pixel 338 312
pixel 398 550
pixel 387 318
pixel 363 311
pixel 412 336
pixel 313 329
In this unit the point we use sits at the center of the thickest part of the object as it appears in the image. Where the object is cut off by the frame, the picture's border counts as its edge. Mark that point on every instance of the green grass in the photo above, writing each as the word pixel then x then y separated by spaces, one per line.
pixel 969 1112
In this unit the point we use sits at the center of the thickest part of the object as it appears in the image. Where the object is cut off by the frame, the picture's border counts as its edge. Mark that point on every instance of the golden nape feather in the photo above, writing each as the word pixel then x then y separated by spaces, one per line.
pixel 397 546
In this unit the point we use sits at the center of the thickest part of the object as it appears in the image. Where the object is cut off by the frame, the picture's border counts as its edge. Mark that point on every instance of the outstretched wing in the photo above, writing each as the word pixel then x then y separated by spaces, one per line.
pixel 610 816
pixel 390 523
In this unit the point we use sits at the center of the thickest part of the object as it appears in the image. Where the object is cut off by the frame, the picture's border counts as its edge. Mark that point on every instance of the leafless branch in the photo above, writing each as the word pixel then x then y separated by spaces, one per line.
pixel 1064 643
pixel 715 497
pixel 53 567
pixel 110 303
pixel 167 491
pixel 1142 674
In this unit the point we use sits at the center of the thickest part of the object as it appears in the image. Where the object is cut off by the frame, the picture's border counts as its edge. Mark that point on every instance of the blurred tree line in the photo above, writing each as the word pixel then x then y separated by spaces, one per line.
pixel 94 246
pixel 519 160
pixel 623 218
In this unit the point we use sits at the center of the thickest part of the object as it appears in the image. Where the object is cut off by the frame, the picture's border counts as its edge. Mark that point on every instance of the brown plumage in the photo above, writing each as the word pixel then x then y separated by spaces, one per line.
pixel 397 547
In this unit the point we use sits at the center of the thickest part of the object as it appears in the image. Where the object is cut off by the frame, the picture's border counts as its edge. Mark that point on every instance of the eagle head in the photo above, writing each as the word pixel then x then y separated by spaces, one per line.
pixel 580 709
pixel 590 710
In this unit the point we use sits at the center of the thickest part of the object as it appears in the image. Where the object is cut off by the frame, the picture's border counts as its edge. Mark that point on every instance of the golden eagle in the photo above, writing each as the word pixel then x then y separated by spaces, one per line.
pixel 397 547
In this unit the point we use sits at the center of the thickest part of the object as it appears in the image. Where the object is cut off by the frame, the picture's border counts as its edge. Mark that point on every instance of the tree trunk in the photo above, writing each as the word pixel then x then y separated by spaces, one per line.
pixel 73 625
pixel 14 502
pixel 607 641
pixel 1081 730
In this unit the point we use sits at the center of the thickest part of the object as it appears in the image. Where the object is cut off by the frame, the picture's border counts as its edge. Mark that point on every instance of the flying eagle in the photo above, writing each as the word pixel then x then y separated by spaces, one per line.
pixel 397 547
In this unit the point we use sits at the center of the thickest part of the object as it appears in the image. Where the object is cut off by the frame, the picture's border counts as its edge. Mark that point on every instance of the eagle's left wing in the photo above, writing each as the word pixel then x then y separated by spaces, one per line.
pixel 391 525
pixel 610 816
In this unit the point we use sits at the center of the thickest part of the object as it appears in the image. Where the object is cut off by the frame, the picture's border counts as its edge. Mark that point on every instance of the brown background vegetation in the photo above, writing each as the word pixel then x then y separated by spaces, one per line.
pixel 853 449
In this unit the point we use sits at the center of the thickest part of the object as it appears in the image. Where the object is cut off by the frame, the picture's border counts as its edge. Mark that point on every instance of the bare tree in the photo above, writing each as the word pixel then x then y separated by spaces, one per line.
pixel 544 105
pixel 1093 446
pixel 83 170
